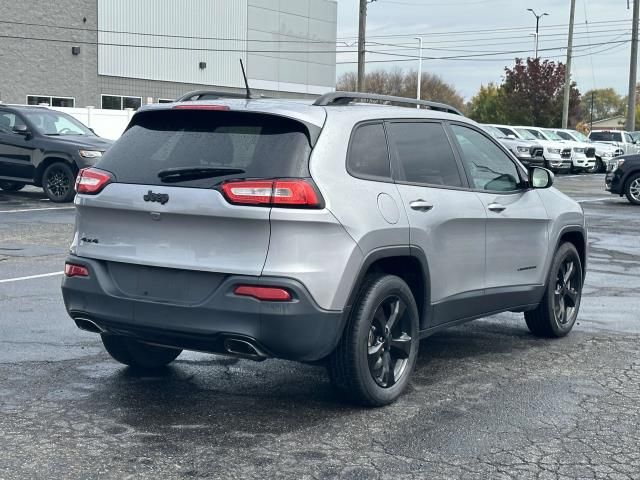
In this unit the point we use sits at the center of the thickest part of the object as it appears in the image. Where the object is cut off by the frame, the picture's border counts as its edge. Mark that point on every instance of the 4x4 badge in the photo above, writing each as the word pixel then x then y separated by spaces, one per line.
pixel 161 198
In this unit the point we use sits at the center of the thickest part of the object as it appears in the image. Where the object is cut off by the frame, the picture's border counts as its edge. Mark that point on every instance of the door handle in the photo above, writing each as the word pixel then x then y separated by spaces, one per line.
pixel 496 207
pixel 420 205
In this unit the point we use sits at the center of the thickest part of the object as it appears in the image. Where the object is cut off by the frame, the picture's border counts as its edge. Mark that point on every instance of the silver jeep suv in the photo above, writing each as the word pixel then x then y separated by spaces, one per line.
pixel 337 231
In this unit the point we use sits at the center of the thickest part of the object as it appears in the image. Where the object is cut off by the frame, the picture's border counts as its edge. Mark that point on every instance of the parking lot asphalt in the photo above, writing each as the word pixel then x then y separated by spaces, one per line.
pixel 488 400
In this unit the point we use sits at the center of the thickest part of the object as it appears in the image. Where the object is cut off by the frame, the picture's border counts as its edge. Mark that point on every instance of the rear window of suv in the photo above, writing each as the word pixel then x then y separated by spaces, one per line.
pixel 605 136
pixel 248 145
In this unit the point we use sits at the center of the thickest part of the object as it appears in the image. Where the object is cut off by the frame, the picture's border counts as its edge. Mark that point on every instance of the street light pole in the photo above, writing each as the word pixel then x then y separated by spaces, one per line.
pixel 538 17
pixel 418 93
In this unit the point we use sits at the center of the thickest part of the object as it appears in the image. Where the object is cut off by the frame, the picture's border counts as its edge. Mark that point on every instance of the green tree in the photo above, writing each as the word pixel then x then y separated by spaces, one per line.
pixel 606 104
pixel 487 105
pixel 533 93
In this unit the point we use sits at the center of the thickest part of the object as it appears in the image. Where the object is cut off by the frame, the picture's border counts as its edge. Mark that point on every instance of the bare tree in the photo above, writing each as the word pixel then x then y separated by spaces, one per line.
pixel 404 84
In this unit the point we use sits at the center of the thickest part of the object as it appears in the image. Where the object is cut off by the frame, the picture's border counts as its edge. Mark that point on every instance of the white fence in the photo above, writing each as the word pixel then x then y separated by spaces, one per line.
pixel 106 123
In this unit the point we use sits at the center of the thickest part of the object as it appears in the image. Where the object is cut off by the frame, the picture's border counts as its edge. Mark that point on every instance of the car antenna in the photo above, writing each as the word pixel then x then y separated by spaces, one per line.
pixel 246 82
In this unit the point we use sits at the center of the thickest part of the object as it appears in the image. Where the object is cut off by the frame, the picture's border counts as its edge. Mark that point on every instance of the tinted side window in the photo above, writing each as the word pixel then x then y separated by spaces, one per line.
pixel 8 121
pixel 424 154
pixel 489 167
pixel 565 135
pixel 368 153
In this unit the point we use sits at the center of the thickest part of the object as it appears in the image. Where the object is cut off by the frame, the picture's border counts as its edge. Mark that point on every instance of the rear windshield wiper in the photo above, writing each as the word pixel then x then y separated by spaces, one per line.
pixel 194 173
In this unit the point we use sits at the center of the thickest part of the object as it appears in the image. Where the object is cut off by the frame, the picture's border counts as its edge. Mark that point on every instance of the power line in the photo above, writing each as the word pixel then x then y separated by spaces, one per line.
pixel 165 47
pixel 477 57
pixel 488 31
pixel 405 49
pixel 161 35
pixel 474 41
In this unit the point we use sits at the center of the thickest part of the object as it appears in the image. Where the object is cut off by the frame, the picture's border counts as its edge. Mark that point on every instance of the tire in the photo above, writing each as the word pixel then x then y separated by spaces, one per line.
pixel 383 301
pixel 632 189
pixel 58 182
pixel 10 186
pixel 598 167
pixel 557 312
pixel 136 354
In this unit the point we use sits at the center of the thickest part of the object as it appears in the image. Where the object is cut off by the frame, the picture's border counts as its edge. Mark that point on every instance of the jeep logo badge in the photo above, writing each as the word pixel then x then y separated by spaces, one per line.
pixel 161 198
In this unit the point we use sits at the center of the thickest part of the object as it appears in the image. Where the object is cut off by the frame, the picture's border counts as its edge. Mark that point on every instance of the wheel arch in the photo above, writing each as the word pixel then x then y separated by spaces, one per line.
pixel 577 236
pixel 627 177
pixel 51 159
pixel 408 263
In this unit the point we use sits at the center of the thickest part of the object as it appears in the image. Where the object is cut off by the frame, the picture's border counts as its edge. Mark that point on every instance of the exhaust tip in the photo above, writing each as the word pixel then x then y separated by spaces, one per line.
pixel 88 325
pixel 244 348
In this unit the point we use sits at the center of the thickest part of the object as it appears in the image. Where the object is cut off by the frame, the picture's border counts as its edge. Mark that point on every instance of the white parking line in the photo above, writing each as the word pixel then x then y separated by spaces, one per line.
pixel 594 200
pixel 31 277
pixel 36 209
pixel 583 176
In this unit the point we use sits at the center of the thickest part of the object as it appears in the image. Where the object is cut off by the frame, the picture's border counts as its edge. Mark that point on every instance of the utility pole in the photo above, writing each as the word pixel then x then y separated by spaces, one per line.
pixel 418 94
pixel 361 41
pixel 591 122
pixel 567 72
pixel 633 70
pixel 537 34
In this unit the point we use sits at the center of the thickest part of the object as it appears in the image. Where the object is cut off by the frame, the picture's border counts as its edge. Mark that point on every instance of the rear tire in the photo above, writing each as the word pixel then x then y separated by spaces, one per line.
pixel 58 182
pixel 632 189
pixel 557 312
pixel 136 354
pixel 373 362
pixel 10 186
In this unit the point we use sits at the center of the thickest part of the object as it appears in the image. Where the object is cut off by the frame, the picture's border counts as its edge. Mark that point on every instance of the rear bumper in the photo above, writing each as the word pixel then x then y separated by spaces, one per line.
pixel 296 330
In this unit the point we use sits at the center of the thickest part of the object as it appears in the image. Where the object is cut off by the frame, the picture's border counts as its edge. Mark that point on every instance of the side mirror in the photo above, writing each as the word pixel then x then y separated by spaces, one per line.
pixel 21 130
pixel 511 135
pixel 540 177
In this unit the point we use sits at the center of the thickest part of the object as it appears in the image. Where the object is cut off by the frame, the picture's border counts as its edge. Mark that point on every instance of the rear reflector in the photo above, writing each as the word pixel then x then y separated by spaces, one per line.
pixel 267 294
pixel 92 180
pixel 283 193
pixel 186 106
pixel 71 270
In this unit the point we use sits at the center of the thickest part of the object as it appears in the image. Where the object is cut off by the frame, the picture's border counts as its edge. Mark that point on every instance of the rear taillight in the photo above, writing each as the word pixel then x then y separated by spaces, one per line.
pixel 266 294
pixel 92 180
pixel 278 193
pixel 72 270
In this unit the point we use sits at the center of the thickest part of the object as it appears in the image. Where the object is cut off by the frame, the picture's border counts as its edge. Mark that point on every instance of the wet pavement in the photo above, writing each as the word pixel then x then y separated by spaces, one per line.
pixel 488 400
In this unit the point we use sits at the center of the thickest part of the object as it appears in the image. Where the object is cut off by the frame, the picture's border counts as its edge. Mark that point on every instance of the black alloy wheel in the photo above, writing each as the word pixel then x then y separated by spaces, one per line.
pixel 566 294
pixel 558 310
pixel 389 344
pixel 373 361
pixel 58 182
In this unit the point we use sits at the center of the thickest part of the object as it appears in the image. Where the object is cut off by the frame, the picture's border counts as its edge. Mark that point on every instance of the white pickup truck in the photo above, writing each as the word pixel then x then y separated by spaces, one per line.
pixel 604 151
pixel 617 138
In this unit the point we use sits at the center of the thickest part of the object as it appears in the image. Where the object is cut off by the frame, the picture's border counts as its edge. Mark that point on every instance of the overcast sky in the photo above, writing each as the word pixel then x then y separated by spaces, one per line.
pixel 506 27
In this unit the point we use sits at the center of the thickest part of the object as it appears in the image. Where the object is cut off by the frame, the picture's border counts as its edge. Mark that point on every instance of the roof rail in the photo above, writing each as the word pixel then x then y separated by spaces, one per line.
pixel 209 95
pixel 344 98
